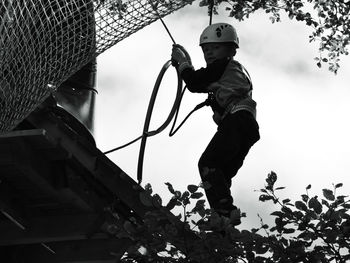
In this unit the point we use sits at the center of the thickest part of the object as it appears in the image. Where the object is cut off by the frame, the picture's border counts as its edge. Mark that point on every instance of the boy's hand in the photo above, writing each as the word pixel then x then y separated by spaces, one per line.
pixel 180 58
pixel 181 53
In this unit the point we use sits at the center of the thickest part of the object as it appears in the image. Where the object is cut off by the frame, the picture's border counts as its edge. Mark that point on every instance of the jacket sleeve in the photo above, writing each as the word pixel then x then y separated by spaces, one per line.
pixel 199 80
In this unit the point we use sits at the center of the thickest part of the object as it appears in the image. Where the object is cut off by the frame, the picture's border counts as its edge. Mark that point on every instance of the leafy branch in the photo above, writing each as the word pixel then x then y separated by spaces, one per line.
pixel 328 19
pixel 312 229
pixel 311 220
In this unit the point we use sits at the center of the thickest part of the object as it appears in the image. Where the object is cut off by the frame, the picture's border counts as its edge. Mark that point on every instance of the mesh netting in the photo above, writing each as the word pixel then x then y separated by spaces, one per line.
pixel 43 43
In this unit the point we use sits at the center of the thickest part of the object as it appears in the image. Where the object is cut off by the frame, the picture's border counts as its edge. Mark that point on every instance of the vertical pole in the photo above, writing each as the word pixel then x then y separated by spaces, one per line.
pixel 211 8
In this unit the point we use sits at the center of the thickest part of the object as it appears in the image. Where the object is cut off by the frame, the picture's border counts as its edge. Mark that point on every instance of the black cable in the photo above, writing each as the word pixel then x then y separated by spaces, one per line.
pixel 174 112
pixel 161 20
pixel 123 146
pixel 146 133
pixel 174 130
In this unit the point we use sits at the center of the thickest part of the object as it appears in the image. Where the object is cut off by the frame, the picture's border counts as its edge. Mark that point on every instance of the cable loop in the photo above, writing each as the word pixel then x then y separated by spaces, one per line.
pixel 173 112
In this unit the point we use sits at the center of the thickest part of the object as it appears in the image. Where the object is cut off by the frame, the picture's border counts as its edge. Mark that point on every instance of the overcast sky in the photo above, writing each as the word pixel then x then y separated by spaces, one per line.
pixel 302 110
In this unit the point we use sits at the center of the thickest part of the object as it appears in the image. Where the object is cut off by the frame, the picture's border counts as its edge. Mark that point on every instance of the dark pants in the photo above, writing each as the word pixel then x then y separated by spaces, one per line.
pixel 224 156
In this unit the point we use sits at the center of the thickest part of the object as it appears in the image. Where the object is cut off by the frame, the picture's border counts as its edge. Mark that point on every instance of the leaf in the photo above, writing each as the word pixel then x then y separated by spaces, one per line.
pixel 306 235
pixel 255 230
pixel 277 213
pixel 272 229
pixel 285 241
pixel 192 188
pixel 300 205
pixel 288 230
pixel 271 179
pixel 280 223
pixel 285 201
pixel 265 226
pixel 177 194
pixel 299 215
pixel 311 214
pixel 264 198
pixel 170 188
pixel 305 198
pixel 324 202
pixel 171 204
pixel 199 207
pixel 328 194
pixel 341 198
pixel 308 187
pixel 203 3
pixel 148 188
pixel 315 205
pixel 331 236
pixel 146 199
pixel 196 195
pixel 200 203
pixel 338 185
pixel 286 210
pixel 262 249
pixel 184 196
pixel 157 200
pixel 280 188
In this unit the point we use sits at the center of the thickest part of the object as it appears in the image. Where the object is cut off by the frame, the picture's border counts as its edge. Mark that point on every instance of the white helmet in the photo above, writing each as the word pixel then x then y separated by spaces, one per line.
pixel 219 33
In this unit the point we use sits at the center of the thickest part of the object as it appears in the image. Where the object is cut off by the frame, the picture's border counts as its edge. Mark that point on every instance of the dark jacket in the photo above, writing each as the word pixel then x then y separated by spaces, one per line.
pixel 228 82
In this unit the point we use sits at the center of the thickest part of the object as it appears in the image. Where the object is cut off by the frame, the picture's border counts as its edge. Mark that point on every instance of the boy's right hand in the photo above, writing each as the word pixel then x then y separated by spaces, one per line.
pixel 180 58
pixel 181 53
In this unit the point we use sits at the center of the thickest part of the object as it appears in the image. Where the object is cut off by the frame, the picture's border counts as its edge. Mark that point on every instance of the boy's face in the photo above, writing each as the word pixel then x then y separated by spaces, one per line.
pixel 215 51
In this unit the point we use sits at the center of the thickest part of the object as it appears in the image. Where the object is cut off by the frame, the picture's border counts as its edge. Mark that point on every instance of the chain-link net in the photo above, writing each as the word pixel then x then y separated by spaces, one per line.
pixel 44 42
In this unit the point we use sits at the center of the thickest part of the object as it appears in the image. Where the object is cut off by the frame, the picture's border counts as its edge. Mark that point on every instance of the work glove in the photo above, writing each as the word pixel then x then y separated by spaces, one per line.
pixel 180 58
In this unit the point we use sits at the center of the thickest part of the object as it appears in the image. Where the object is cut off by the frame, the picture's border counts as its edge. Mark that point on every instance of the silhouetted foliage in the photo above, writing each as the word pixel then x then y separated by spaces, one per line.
pixel 312 229
pixel 329 21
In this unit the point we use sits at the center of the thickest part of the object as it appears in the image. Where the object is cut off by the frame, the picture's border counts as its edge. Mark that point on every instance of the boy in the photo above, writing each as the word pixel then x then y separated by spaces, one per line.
pixel 230 94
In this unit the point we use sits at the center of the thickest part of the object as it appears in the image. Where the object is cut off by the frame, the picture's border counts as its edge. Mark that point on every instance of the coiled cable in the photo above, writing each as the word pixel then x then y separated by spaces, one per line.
pixel 173 112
